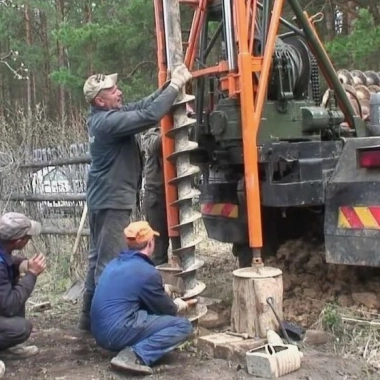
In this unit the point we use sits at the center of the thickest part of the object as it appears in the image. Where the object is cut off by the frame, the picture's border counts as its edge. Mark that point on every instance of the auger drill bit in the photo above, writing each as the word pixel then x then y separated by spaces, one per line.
pixel 185 171
pixel 359 85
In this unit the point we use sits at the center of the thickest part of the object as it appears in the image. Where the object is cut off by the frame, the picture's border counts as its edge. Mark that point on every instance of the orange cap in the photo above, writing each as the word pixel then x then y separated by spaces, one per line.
pixel 139 232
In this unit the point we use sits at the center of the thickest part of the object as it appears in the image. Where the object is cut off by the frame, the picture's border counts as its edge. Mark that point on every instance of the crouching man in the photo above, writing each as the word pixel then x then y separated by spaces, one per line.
pixel 15 232
pixel 131 312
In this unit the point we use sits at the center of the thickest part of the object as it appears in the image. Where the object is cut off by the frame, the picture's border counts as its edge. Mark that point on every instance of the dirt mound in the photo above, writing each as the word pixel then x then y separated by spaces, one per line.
pixel 310 283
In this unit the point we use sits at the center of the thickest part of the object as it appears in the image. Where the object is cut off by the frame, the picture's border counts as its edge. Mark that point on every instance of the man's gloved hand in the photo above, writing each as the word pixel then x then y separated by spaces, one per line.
pixel 181 305
pixel 180 76
pixel 173 291
pixel 184 305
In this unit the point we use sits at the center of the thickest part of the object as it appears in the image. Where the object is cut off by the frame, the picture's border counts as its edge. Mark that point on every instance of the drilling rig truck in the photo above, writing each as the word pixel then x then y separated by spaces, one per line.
pixel 274 159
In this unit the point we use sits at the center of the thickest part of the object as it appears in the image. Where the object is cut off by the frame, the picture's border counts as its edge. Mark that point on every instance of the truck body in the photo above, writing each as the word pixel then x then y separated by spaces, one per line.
pixel 278 157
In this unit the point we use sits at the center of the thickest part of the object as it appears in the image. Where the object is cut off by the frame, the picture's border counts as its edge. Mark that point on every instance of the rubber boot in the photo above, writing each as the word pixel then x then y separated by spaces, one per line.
pixel 84 323
pixel 126 360
pixel 19 351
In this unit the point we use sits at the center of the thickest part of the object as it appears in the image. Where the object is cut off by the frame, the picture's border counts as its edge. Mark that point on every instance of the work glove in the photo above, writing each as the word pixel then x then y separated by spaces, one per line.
pixel 180 76
pixel 173 291
pixel 181 304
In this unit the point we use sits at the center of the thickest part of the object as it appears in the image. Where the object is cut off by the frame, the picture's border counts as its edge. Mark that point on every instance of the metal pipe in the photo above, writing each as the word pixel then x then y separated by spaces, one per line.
pixel 213 39
pixel 181 156
pixel 202 80
pixel 166 124
pixel 286 23
pixel 230 39
pixel 264 32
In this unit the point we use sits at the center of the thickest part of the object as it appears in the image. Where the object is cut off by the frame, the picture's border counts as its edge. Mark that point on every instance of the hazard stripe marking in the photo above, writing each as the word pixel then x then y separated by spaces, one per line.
pixel 342 220
pixel 227 210
pixel 366 217
pixel 206 208
pixel 352 217
pixel 375 211
pixel 360 217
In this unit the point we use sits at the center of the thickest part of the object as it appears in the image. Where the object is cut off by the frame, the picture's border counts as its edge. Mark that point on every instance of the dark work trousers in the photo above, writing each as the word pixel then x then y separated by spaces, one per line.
pixel 153 337
pixel 106 241
pixel 15 330
pixel 162 334
pixel 155 214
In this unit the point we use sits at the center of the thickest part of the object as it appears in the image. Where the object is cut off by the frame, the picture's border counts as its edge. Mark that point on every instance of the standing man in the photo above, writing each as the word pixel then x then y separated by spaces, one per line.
pixel 132 311
pixel 115 174
pixel 154 194
pixel 15 232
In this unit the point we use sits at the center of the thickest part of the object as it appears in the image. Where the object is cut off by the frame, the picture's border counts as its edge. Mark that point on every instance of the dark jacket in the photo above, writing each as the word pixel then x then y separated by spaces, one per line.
pixel 14 291
pixel 116 168
pixel 130 288
pixel 154 171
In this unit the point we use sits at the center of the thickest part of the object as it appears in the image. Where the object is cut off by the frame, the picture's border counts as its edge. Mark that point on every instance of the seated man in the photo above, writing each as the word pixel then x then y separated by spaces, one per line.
pixel 15 232
pixel 131 312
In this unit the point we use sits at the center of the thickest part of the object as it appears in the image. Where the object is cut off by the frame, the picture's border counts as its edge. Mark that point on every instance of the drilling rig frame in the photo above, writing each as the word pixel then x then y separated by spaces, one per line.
pixel 273 158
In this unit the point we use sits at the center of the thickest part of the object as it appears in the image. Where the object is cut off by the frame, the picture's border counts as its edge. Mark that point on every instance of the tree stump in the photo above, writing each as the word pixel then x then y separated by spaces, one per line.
pixel 250 311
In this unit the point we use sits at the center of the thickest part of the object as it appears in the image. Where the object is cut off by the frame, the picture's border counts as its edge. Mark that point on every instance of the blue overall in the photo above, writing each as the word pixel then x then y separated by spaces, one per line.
pixel 131 309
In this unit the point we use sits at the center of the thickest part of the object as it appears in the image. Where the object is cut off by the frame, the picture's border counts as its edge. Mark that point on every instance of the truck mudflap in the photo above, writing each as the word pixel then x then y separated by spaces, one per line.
pixel 352 207
pixel 224 217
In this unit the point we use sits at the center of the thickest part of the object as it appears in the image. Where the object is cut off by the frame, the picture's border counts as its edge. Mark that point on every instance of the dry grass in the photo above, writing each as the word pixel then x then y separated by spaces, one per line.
pixel 357 332
pixel 21 136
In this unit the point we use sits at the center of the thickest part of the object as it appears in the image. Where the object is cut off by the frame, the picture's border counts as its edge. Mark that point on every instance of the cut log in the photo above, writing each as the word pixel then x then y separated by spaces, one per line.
pixel 250 311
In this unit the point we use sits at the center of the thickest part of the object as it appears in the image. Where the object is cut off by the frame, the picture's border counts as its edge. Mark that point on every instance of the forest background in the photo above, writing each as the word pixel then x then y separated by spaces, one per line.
pixel 53 45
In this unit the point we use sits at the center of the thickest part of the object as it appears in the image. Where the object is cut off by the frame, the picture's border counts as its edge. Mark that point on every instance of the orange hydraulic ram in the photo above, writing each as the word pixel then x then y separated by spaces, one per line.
pixel 251 111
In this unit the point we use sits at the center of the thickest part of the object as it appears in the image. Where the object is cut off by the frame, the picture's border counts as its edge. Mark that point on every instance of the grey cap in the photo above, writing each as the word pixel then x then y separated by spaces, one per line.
pixel 96 83
pixel 15 226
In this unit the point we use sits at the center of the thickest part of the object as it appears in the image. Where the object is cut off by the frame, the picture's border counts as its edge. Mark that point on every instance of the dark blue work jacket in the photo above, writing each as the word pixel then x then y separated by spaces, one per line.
pixel 129 290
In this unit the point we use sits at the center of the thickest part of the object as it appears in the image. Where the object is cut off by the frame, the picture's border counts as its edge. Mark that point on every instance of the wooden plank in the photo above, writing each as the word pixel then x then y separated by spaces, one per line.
pixel 47 197
pixel 63 231
pixel 57 162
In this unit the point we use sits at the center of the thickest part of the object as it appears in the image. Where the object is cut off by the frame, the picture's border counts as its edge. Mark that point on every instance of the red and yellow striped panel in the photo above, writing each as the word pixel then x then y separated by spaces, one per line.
pixel 359 217
pixel 228 210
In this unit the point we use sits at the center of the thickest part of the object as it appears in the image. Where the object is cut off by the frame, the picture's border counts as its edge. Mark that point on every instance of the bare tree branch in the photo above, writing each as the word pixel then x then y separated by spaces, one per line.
pixel 21 71
pixel 143 63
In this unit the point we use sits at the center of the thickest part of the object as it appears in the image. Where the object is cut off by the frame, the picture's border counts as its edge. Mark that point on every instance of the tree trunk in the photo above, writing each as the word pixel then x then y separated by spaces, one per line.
pixel 47 95
pixel 61 64
pixel 29 82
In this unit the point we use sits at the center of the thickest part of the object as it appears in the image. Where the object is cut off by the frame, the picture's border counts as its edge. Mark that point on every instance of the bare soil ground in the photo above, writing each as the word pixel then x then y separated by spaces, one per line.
pixel 67 355
pixel 309 283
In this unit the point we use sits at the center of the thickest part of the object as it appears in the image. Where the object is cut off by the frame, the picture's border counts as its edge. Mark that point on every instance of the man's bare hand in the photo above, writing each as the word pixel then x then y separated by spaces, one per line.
pixel 23 268
pixel 37 264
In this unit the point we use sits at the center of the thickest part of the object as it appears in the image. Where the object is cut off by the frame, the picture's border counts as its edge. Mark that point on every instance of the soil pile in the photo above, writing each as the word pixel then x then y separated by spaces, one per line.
pixel 310 283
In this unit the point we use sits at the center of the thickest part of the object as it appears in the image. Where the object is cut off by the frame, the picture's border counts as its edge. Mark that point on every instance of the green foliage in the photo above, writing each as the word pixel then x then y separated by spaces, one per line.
pixel 331 319
pixel 65 46
pixel 359 49
pixel 118 38
pixel 92 36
